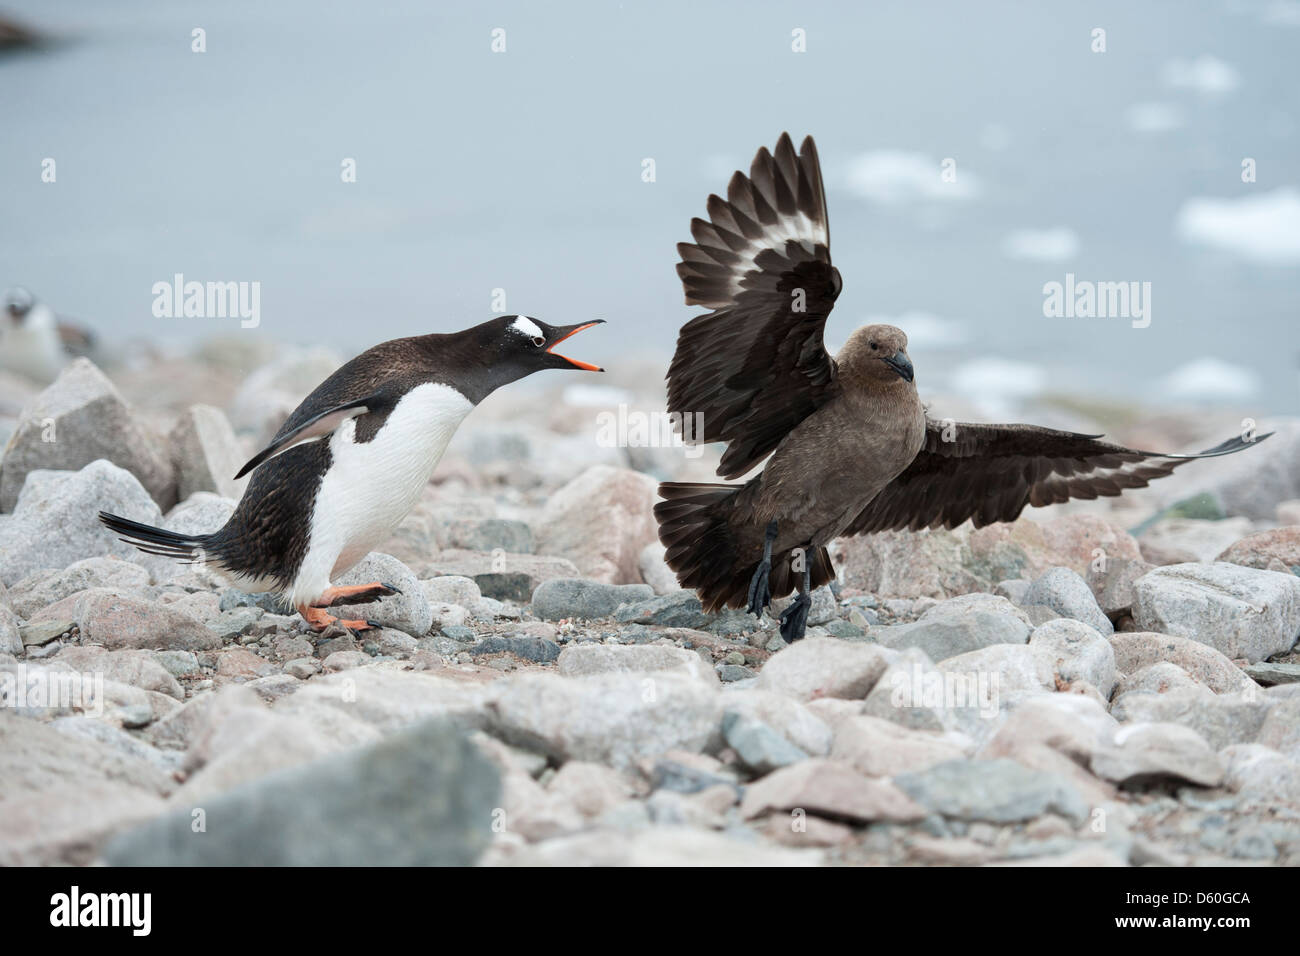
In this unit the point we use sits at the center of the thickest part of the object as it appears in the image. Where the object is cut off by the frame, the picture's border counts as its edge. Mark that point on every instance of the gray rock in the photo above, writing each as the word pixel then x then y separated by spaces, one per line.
pixel 505 585
pixel 302 667
pixel 1159 678
pixel 582 660
pixel 561 598
pixel 825 667
pixel 1192 539
pixel 206 454
pixel 1262 773
pixel 1075 652
pixel 1068 595
pixel 134 667
pixel 489 534
pixel 759 747
pixel 408 611
pixel 828 788
pixel 11 641
pixel 536 649
pixel 795 721
pixel 362 800
pixel 681 777
pixel 271 392
pixel 1013 589
pixel 1281 727
pixel 81 418
pixel 654 569
pixel 680 609
pixel 1241 612
pixel 884 748
pixel 40 633
pixel 1113 586
pixel 231 624
pixel 454 562
pixel 119 621
pixel 614 719
pixel 1135 650
pixel 601 520
pixel 731 673
pixel 63 795
pixel 995 791
pixel 1039 614
pixel 1221 719
pixel 55 523
pixel 451 589
pixel 1251 484
pixel 43 588
pixel 905 693
pixel 1271 674
pixel 178 663
pixel 118 740
pixel 846 631
pixel 1142 753
pixel 200 513
pixel 958 625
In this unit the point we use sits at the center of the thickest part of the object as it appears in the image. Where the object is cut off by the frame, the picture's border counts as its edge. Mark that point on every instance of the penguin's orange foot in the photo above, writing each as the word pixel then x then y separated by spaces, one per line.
pixel 319 620
pixel 355 594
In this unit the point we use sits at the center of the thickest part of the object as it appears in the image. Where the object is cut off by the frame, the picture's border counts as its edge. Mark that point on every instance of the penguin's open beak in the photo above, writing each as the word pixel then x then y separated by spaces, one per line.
pixel 563 332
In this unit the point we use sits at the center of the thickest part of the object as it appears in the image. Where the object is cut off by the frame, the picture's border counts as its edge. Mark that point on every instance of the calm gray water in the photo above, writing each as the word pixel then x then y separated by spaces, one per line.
pixel 522 170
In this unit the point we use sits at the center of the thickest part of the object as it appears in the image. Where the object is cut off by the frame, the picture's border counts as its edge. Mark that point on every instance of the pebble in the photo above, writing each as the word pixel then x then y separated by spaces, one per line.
pixel 536 649
pixel 760 748
pixel 1066 593
pixel 678 609
pixel 993 791
pixel 563 598
pixel 1241 612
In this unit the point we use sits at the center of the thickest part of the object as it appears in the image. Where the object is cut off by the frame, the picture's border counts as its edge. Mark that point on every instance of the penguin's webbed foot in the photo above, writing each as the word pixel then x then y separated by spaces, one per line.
pixel 794 619
pixel 355 594
pixel 319 621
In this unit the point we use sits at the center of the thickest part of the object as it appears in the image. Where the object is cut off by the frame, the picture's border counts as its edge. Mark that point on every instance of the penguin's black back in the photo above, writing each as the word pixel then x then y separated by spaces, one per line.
pixel 268 533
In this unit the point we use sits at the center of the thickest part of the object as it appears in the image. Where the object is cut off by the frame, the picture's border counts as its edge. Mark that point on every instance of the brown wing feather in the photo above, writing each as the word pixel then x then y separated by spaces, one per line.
pixel 989 473
pixel 756 366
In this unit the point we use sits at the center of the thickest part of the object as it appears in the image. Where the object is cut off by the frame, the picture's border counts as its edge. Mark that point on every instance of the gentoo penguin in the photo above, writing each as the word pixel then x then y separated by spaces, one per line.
pixel 34 341
pixel 351 461
pixel 852 449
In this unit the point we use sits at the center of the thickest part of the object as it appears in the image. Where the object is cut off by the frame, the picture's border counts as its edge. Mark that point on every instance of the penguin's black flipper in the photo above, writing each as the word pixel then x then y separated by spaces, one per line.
pixel 318 426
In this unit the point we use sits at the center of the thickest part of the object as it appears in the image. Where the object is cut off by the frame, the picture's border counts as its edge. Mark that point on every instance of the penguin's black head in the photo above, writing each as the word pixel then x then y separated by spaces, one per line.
pixel 18 302
pixel 528 344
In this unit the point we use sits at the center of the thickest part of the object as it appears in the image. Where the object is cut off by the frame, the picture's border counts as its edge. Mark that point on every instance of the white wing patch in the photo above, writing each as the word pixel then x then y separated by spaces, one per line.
pixel 526 326
pixel 796 228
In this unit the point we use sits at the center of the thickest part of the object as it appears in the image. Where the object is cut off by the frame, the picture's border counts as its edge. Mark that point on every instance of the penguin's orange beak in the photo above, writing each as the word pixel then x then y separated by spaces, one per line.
pixel 568 331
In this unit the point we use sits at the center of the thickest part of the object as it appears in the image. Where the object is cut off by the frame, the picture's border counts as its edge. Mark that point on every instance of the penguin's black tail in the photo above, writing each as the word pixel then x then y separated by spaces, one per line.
pixel 151 540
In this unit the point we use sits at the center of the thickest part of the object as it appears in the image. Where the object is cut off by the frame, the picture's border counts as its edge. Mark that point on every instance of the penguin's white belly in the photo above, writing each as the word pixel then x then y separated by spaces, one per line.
pixel 32 351
pixel 371 486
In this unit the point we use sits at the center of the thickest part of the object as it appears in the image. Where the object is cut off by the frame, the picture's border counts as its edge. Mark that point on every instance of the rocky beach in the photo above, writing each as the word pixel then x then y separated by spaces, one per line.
pixel 1106 683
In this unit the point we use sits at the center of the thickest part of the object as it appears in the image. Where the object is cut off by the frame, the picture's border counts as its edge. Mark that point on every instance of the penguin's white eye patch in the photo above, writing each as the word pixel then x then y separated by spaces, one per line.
pixel 526 326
